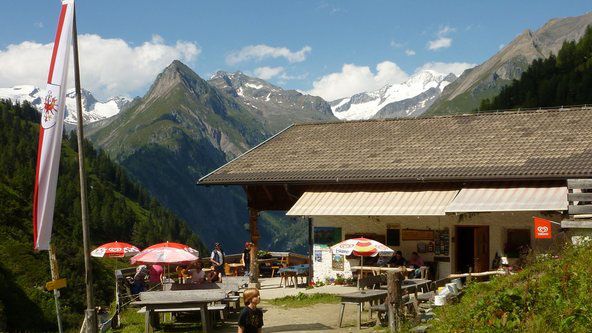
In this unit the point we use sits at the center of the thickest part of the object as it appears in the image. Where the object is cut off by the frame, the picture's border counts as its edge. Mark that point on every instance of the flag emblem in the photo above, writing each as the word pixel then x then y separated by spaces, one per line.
pixel 50 106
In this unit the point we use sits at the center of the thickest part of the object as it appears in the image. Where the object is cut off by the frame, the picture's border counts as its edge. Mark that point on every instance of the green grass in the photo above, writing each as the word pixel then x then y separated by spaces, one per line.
pixel 551 295
pixel 304 300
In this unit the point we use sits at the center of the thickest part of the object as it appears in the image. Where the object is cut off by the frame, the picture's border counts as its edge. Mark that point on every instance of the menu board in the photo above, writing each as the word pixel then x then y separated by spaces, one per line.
pixel 442 242
pixel 414 234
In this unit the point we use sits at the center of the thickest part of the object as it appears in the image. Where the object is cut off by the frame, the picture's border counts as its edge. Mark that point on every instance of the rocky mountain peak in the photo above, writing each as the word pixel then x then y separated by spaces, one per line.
pixel 174 75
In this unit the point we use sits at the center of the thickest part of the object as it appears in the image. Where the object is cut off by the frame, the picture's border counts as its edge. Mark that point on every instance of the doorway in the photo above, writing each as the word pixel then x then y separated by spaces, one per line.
pixel 472 248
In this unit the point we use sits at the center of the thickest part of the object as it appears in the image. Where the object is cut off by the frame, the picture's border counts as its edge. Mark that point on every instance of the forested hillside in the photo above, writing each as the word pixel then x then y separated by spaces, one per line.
pixel 564 79
pixel 119 210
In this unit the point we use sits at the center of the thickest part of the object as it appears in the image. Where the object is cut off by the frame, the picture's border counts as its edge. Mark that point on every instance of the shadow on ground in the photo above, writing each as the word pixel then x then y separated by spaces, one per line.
pixel 297 328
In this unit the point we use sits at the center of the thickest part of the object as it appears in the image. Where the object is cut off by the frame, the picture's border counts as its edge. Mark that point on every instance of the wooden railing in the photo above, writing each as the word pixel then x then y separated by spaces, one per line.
pixel 580 192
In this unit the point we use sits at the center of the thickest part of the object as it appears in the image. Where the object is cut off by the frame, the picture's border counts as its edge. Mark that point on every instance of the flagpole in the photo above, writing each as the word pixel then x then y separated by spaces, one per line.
pixel 90 313
pixel 53 265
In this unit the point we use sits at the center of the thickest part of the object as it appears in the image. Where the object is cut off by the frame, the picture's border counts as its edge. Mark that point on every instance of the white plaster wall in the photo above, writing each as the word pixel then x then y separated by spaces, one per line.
pixel 498 224
pixel 324 268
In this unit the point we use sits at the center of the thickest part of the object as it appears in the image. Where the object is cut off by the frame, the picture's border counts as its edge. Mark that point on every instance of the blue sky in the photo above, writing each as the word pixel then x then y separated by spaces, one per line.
pixel 293 43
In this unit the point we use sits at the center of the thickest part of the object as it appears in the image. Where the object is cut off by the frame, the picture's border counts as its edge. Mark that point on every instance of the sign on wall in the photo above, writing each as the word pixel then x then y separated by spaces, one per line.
pixel 327 235
pixel 337 262
pixel 542 228
pixel 414 234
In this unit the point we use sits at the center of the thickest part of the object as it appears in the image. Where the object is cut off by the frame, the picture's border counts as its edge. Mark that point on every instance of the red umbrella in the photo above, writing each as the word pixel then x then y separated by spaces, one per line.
pixel 168 253
pixel 115 250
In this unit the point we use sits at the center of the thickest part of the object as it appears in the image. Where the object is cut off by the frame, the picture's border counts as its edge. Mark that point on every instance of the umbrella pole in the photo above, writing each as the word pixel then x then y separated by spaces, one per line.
pixel 361 271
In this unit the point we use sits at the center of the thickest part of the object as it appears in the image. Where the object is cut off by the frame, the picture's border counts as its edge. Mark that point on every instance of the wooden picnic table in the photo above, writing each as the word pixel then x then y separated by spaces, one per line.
pixel 359 298
pixel 378 269
pixel 181 300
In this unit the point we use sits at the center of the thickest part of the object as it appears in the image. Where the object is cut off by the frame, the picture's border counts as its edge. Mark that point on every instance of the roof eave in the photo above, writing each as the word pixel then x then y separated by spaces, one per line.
pixel 451 179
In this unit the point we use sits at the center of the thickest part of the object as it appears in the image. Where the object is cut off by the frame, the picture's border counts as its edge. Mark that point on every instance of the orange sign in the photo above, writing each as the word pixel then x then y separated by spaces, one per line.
pixel 542 228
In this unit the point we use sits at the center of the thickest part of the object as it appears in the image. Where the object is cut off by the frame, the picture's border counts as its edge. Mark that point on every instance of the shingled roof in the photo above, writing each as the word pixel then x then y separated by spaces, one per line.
pixel 549 144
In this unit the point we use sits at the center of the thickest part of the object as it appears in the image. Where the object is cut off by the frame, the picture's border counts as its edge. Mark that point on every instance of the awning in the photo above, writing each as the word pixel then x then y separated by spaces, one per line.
pixel 507 197
pixel 374 201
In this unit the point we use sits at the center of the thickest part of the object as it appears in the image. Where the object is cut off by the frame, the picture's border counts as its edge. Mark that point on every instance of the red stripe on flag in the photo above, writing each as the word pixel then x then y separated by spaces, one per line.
pixel 36 193
pixel 56 44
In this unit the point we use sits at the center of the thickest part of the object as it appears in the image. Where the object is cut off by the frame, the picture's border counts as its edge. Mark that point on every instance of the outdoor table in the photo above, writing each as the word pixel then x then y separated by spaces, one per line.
pixel 179 300
pixel 378 270
pixel 412 285
pixel 293 272
pixel 359 298
pixel 234 268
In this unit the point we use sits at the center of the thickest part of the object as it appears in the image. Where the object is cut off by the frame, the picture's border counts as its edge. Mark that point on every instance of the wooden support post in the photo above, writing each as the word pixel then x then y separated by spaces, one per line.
pixel 253 216
pixel 394 300
pixel 55 275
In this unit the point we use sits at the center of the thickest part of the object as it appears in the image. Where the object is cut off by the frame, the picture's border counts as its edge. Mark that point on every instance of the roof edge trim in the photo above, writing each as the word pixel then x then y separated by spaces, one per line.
pixel 243 154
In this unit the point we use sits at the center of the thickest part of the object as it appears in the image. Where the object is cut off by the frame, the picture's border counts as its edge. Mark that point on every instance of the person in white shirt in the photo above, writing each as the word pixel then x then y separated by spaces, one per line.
pixel 217 260
pixel 197 274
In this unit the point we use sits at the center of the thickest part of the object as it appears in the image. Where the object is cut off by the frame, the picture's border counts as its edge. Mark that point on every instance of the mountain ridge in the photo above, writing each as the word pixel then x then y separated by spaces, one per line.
pixel 487 79
pixel 409 98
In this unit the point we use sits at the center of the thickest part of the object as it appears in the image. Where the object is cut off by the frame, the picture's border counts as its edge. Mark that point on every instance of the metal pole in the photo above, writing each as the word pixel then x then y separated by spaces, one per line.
pixel 310 252
pixel 90 313
pixel 53 265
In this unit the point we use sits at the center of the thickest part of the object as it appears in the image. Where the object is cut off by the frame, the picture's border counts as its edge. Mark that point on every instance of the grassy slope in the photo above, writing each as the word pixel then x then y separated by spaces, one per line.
pixel 551 295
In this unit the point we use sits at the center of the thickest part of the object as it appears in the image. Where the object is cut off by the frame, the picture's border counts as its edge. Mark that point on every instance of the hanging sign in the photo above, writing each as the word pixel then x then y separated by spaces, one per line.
pixel 55 284
pixel 542 228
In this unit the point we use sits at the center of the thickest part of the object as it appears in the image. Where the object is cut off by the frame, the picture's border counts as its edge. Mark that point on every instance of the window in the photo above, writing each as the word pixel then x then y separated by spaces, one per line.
pixel 515 239
pixel 393 237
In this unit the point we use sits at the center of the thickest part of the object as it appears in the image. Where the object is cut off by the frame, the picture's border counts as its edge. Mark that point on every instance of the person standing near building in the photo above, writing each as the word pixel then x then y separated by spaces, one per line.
pixel 246 258
pixel 217 260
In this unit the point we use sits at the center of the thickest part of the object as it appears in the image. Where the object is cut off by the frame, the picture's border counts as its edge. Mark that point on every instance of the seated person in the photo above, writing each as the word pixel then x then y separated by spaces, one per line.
pixel 182 273
pixel 398 260
pixel 415 262
pixel 197 275
pixel 139 283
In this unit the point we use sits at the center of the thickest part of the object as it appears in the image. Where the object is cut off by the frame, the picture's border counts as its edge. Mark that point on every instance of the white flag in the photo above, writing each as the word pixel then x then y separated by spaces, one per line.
pixel 50 132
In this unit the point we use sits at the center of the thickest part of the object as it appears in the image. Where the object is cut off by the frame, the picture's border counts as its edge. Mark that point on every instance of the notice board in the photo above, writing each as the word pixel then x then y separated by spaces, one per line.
pixel 417 234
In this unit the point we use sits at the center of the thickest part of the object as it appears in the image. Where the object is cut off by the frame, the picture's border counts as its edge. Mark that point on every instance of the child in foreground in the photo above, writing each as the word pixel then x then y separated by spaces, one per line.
pixel 250 319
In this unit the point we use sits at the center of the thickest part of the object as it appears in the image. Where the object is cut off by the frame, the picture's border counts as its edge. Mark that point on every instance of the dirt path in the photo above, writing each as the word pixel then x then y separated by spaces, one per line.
pixel 315 318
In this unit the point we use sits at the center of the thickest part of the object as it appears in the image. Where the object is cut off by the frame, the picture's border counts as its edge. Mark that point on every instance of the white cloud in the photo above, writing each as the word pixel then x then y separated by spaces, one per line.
pixel 447 67
pixel 266 73
pixel 262 51
pixel 395 44
pixel 442 40
pixel 440 43
pixel 38 25
pixel 354 79
pixel 409 52
pixel 109 66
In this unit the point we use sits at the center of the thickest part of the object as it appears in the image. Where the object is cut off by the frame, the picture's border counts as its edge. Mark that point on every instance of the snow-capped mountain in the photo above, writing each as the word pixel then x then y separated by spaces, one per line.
pixel 410 98
pixel 276 107
pixel 92 109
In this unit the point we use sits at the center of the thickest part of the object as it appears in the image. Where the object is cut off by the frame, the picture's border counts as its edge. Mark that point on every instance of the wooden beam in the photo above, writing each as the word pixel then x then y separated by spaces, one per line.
pixel 579 183
pixel 571 224
pixel 579 209
pixel 571 197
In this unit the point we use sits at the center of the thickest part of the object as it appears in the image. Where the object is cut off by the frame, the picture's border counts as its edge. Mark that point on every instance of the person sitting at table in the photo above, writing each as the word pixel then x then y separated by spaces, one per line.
pixel 182 273
pixel 217 260
pixel 397 260
pixel 246 258
pixel 139 283
pixel 197 275
pixel 155 275
pixel 415 262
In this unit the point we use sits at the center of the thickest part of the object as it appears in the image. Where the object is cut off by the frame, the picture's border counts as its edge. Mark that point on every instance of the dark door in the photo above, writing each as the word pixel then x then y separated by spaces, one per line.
pixel 481 249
